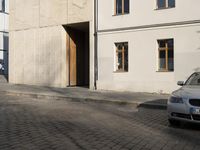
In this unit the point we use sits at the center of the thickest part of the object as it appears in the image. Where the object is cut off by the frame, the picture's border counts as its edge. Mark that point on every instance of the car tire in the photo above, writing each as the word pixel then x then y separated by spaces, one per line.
pixel 173 122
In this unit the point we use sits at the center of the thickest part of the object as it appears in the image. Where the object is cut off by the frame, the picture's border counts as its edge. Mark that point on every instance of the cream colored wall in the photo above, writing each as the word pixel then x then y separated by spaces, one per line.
pixel 143 58
pixel 143 51
pixel 38 39
pixel 143 12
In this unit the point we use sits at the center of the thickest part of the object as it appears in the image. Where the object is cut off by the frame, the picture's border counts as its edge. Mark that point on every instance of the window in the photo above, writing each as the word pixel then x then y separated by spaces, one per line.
pixel 2 5
pixel 166 55
pixel 165 4
pixel 121 57
pixel 121 7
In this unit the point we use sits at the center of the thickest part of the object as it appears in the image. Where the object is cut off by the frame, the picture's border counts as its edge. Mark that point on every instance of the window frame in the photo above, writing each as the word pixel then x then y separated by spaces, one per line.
pixel 166 5
pixel 123 8
pixel 116 51
pixel 166 49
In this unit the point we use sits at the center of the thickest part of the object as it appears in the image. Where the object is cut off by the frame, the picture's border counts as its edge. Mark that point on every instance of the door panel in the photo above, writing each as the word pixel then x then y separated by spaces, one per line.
pixel 72 58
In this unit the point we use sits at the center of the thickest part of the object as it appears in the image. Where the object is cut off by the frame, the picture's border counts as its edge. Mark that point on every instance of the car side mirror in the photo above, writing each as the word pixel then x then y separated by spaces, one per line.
pixel 180 83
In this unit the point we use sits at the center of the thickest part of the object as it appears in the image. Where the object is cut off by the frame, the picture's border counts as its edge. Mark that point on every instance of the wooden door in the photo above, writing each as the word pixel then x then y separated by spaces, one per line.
pixel 72 60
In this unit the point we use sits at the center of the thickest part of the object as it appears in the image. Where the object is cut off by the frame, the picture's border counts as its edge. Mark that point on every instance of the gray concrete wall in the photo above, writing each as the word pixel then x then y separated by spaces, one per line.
pixel 38 39
pixel 37 56
pixel 26 14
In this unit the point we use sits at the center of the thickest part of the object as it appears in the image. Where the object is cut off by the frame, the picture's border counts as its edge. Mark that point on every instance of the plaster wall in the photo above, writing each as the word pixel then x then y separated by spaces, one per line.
pixel 144 12
pixel 143 75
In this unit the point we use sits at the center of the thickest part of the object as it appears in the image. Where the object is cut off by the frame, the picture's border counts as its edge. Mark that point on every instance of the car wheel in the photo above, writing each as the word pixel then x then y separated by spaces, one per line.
pixel 173 122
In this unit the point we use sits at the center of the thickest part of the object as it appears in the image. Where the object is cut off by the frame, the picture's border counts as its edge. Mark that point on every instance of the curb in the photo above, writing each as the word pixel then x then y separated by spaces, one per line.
pixel 78 99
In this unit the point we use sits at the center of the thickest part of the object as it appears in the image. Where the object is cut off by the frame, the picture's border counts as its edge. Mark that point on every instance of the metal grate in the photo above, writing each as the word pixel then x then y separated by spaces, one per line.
pixel 194 102
pixel 196 117
pixel 185 116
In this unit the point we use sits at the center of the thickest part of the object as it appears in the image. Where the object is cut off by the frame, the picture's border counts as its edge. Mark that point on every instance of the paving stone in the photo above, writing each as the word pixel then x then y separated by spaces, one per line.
pixel 47 124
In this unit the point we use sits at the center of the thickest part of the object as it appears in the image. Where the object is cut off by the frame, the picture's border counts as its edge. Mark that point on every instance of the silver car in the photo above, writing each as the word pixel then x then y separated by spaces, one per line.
pixel 184 103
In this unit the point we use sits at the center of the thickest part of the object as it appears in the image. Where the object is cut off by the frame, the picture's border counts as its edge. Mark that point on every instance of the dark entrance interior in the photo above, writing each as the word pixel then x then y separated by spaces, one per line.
pixel 78 54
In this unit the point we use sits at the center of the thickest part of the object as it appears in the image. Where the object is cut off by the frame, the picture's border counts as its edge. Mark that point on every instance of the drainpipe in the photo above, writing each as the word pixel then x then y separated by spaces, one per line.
pixel 95 43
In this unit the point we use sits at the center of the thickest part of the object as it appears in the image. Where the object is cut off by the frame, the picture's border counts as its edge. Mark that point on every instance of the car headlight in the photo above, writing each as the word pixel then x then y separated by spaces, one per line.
pixel 174 99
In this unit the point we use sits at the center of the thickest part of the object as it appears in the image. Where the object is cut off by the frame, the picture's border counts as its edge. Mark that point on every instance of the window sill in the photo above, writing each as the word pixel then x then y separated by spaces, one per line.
pixel 120 71
pixel 3 12
pixel 115 15
pixel 164 8
pixel 164 71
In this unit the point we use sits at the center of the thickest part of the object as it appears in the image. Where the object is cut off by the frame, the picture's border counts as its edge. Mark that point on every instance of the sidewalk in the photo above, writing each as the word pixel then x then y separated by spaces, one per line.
pixel 85 95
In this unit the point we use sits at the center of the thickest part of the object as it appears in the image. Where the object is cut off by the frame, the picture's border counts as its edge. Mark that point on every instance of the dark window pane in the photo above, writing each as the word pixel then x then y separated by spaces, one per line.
pixel 126 6
pixel 126 46
pixel 162 54
pixel 126 56
pixel 161 3
pixel 119 61
pixel 162 43
pixel 171 3
pixel 170 54
pixel 170 43
pixel 5 41
pixel 118 6
pixel 119 47
pixel 2 5
pixel 171 60
pixel 162 59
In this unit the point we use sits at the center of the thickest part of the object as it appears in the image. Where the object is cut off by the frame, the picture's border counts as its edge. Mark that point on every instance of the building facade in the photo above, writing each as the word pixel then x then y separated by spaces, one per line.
pixel 124 45
pixel 147 45
pixel 4 36
pixel 51 42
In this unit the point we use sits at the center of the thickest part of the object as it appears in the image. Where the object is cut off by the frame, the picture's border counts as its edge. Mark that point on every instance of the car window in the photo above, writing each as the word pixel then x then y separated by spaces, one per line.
pixel 194 79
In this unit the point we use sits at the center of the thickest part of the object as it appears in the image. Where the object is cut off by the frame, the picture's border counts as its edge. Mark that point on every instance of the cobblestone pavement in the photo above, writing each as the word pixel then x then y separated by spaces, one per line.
pixel 27 124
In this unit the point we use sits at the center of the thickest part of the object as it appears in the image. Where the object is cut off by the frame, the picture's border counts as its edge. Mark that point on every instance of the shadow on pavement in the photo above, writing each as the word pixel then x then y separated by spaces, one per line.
pixel 187 126
pixel 155 104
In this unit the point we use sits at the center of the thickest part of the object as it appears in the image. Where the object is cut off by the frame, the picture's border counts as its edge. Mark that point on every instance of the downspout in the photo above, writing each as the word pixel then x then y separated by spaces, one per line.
pixel 95 43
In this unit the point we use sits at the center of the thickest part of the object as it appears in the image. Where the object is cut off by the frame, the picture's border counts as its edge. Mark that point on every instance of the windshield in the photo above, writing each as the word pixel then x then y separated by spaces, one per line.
pixel 194 79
